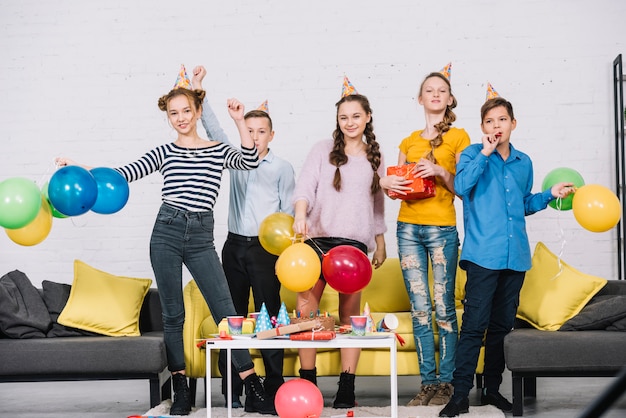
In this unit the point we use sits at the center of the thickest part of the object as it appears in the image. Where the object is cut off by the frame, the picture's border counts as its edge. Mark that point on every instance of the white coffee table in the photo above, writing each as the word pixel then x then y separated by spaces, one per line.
pixel 387 340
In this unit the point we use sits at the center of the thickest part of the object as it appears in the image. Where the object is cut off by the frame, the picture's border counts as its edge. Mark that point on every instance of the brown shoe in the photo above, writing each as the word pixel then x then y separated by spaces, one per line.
pixel 442 395
pixel 424 396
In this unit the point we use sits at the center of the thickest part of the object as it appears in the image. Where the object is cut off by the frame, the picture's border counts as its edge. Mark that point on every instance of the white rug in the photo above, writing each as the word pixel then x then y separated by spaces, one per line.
pixel 488 411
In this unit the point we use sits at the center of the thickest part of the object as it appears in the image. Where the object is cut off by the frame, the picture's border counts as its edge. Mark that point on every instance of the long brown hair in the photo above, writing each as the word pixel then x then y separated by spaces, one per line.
pixel 338 157
pixel 448 118
pixel 195 97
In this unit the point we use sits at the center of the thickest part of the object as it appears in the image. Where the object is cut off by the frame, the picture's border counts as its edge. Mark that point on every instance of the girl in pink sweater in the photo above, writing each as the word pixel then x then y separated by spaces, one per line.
pixel 338 201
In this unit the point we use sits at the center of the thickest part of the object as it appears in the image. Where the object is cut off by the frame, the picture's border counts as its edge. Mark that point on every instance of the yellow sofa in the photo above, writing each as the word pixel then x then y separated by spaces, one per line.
pixel 385 293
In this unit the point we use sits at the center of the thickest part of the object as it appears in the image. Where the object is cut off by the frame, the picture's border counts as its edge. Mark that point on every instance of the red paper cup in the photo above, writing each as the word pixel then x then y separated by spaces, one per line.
pixel 235 324
pixel 359 323
pixel 388 323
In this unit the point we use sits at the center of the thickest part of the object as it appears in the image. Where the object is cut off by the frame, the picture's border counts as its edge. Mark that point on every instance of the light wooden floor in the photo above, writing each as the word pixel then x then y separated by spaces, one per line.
pixel 556 397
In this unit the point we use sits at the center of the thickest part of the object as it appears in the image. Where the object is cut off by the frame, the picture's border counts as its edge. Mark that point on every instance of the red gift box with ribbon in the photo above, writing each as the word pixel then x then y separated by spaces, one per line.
pixel 421 187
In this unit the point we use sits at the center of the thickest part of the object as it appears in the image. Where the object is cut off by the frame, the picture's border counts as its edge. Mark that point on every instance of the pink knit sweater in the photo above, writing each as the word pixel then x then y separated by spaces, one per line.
pixel 350 213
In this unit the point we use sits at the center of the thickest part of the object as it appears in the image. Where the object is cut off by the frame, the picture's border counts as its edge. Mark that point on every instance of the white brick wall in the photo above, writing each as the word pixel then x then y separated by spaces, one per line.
pixel 81 79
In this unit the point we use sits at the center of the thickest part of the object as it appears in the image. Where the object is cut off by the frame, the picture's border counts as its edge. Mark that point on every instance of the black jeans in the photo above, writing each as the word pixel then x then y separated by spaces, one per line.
pixel 248 265
pixel 491 301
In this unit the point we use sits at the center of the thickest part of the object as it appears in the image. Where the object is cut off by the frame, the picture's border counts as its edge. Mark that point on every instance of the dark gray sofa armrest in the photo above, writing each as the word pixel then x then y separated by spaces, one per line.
pixel 150 318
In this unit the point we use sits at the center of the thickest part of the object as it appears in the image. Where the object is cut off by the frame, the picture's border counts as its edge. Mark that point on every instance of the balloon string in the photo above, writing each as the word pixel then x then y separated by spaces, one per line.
pixel 307 237
pixel 46 174
pixel 561 237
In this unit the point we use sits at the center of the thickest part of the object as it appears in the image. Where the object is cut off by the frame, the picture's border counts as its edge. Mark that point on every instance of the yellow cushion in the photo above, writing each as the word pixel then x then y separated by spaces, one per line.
pixel 103 303
pixel 548 297
pixel 386 291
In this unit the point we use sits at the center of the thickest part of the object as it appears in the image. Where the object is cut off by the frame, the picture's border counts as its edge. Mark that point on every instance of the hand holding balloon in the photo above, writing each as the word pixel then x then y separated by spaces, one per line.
pixel 562 190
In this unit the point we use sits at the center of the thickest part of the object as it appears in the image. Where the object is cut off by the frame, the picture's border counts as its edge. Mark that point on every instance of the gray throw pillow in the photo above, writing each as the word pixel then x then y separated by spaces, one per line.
pixel 603 313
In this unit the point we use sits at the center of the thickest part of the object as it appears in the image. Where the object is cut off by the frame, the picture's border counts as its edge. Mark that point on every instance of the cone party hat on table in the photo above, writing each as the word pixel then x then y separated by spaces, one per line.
pixel 369 325
pixel 447 71
pixel 491 92
pixel 347 88
pixel 283 316
pixel 183 81
pixel 263 322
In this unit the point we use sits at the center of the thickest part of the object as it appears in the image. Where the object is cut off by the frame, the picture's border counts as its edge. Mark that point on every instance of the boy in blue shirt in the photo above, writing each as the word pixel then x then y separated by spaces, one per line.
pixel 494 180
pixel 254 195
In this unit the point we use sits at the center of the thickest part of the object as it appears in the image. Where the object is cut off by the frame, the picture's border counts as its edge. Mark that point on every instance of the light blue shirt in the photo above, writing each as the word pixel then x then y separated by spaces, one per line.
pixel 254 194
pixel 496 198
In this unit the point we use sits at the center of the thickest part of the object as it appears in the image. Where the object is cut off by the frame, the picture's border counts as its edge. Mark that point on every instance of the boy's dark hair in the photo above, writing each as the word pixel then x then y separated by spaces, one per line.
pixel 256 113
pixel 195 97
pixel 496 102
pixel 338 155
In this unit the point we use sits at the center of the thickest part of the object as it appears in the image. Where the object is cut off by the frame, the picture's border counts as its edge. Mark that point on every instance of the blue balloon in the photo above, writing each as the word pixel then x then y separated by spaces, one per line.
pixel 72 190
pixel 112 190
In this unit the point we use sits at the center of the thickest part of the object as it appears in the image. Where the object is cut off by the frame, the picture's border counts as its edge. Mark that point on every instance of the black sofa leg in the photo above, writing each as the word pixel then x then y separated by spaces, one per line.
pixel 155 392
pixel 530 387
pixel 518 396
pixel 193 386
pixel 166 389
pixel 479 380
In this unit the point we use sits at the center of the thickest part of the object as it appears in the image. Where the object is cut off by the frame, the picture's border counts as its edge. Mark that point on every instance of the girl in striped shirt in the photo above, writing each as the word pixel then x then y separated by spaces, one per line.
pixel 183 232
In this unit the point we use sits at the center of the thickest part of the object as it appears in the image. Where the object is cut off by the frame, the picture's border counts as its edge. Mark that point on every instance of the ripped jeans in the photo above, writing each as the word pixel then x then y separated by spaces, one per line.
pixel 416 243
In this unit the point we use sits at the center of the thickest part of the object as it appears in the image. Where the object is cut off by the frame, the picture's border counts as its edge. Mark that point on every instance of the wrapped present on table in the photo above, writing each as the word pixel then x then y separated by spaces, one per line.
pixel 313 336
pixel 287 329
pixel 421 187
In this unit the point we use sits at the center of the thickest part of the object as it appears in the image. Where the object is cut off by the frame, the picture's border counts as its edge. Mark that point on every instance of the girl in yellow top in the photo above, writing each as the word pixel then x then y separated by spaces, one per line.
pixel 427 228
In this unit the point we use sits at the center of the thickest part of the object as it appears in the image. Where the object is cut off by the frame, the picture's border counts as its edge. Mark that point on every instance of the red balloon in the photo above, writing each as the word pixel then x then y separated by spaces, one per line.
pixel 346 269
pixel 298 398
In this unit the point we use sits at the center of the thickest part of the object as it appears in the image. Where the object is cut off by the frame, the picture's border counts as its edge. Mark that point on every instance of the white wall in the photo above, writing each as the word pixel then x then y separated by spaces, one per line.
pixel 81 79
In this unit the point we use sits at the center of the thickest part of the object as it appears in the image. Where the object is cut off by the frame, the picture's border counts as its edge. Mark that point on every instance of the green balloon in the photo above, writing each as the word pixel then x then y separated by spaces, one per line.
pixel 562 175
pixel 20 201
pixel 55 213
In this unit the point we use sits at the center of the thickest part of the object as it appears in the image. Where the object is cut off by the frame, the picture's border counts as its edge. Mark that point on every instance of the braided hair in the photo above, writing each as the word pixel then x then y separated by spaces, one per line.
pixel 448 118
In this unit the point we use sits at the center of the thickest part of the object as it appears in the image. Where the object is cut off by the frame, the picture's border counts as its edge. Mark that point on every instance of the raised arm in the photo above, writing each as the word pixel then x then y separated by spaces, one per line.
pixel 209 120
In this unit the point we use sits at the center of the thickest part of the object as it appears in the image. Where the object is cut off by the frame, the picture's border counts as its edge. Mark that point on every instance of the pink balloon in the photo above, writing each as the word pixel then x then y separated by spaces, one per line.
pixel 346 269
pixel 298 398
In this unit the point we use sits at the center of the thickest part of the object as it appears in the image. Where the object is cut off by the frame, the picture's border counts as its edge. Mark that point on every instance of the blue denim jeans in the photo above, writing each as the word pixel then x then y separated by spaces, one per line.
pixel 416 243
pixel 491 301
pixel 180 237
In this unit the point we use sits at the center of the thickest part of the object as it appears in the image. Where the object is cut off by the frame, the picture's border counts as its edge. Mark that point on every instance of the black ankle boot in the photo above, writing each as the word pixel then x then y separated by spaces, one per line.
pixel 182 396
pixel 256 400
pixel 310 375
pixel 345 393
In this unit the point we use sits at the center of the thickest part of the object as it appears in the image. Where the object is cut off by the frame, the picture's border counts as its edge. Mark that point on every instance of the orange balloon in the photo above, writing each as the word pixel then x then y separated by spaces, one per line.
pixel 275 232
pixel 596 208
pixel 298 267
pixel 36 231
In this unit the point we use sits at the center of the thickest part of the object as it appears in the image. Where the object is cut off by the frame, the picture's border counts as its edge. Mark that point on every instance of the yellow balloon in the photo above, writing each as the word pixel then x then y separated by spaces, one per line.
pixel 275 232
pixel 36 231
pixel 298 267
pixel 596 208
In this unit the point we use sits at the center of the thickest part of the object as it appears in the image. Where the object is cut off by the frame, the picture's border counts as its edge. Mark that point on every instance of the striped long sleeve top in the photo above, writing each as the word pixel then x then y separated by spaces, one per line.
pixel 191 177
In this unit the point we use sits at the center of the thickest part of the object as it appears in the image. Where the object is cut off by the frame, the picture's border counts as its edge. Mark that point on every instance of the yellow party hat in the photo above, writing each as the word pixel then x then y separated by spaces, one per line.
pixel 182 81
pixel 491 92
pixel 347 89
